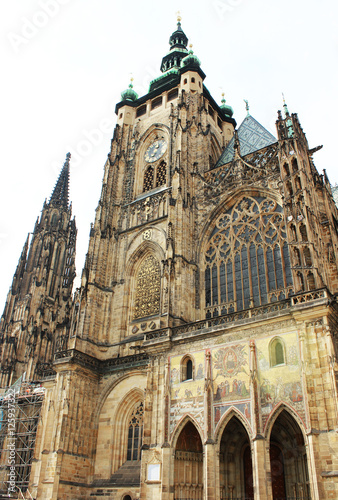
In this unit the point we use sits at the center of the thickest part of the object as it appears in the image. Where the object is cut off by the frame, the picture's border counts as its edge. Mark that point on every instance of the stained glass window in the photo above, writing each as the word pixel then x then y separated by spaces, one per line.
pixel 247 258
pixel 135 433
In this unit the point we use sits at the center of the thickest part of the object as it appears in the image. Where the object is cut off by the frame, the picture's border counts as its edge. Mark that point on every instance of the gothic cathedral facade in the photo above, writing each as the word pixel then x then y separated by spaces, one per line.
pixel 198 359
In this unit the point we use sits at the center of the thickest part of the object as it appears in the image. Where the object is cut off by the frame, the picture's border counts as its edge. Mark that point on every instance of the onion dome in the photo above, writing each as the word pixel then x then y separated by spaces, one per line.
pixel 190 59
pixel 227 110
pixel 129 94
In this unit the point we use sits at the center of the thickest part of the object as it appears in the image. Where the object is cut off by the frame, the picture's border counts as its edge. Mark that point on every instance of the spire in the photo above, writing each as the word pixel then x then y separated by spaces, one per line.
pixel 286 111
pixel 20 268
pixel 178 42
pixel 288 119
pixel 25 250
pixel 23 258
pixel 59 196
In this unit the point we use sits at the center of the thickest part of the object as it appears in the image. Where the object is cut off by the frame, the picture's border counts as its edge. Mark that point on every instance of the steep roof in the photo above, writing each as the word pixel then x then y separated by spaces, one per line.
pixel 252 137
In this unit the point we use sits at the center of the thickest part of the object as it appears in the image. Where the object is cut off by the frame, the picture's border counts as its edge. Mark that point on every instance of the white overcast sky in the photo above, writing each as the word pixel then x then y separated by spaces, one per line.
pixel 65 62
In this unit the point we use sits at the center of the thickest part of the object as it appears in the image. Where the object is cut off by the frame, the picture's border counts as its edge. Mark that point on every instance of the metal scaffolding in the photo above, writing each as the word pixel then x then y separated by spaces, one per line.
pixel 20 409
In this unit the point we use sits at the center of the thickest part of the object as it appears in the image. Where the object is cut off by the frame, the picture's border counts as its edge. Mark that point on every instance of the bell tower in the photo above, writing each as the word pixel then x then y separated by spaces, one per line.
pixel 140 262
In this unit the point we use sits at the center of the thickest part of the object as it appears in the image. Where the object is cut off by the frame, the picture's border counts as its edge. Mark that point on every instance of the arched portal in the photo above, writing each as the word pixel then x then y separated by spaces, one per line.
pixel 235 463
pixel 188 479
pixel 289 470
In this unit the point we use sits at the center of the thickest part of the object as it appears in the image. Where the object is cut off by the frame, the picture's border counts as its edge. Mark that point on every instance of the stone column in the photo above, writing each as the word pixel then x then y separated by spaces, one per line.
pixel 209 468
pixel 167 484
pixel 260 452
pixel 261 469
pixel 317 490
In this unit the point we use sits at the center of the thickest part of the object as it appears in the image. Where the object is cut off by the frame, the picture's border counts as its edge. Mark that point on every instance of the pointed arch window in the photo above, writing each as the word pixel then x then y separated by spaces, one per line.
pixel 247 261
pixel 161 174
pixel 294 165
pixel 155 177
pixel 148 289
pixel 135 433
pixel 311 281
pixel 54 220
pixel 277 352
pixel 148 179
pixel 286 169
pixel 303 232
pixel 187 369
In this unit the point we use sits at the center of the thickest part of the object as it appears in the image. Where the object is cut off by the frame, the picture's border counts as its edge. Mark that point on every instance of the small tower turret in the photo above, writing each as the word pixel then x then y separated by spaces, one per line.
pixel 309 209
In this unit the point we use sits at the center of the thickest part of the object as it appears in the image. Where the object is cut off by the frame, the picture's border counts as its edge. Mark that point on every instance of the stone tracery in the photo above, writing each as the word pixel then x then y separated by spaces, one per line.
pixel 247 259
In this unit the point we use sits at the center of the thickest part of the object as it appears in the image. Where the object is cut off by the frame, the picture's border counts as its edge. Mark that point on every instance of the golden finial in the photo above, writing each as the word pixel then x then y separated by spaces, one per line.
pixel 179 18
pixel 286 111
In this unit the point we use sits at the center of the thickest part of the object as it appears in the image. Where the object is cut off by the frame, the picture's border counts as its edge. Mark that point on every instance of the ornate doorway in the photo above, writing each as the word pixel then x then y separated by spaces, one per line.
pixel 289 470
pixel 235 463
pixel 188 481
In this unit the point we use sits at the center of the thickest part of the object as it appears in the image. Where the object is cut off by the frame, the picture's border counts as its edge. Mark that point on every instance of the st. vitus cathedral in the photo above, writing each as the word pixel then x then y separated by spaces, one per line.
pixel 198 359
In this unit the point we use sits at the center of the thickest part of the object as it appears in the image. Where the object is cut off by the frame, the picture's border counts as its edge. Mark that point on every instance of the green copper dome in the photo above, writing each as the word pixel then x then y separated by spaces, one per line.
pixel 178 49
pixel 190 60
pixel 227 110
pixel 129 94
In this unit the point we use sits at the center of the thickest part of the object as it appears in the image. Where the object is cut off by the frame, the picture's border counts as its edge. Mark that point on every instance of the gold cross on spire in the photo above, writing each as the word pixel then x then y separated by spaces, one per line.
pixel 179 18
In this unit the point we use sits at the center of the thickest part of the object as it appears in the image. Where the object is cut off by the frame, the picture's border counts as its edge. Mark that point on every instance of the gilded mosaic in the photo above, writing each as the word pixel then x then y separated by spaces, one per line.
pixel 281 382
pixel 230 373
pixel 148 289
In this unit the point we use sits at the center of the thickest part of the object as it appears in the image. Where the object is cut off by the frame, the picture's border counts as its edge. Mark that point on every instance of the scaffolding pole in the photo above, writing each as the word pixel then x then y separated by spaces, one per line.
pixel 20 409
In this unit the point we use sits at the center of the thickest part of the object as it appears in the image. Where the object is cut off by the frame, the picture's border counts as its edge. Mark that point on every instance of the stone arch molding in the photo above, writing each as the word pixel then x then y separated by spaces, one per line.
pixel 150 135
pixel 180 426
pixel 112 420
pixel 275 414
pixel 111 385
pixel 134 262
pixel 227 201
pixel 222 424
pixel 155 132
pixel 138 247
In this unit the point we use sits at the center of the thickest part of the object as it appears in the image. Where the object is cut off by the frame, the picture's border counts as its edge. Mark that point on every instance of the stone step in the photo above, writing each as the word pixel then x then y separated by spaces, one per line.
pixel 127 475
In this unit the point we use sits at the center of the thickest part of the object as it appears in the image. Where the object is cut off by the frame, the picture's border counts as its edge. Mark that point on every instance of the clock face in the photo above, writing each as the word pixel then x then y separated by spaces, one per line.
pixel 155 151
